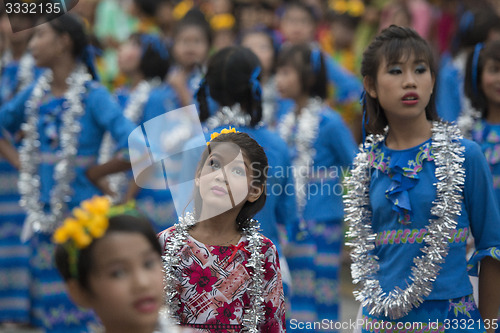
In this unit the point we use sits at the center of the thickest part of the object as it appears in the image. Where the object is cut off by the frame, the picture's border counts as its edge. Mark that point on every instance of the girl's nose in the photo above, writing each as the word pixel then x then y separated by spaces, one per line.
pixel 409 81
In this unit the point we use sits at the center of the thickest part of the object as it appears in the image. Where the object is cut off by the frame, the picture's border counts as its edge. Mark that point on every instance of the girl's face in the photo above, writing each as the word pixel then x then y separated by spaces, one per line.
pixel 129 57
pixel 288 82
pixel 263 49
pixel 490 81
pixel 190 47
pixel 47 45
pixel 403 89
pixel 225 180
pixel 297 26
pixel 126 282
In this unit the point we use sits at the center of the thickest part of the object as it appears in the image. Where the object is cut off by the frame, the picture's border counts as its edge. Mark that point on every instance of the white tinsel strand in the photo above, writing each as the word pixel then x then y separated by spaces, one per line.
pixel 307 131
pixel 450 174
pixel 29 154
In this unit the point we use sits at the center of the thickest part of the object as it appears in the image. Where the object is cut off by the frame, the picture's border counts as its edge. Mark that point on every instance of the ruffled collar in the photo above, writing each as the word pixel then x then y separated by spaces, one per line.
pixel 402 166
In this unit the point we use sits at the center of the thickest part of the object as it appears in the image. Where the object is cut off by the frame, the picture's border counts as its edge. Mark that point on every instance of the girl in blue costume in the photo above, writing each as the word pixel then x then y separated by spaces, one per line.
pixel 192 42
pixel 144 59
pixel 482 81
pixel 17 71
pixel 64 116
pixel 416 191
pixel 474 27
pixel 322 149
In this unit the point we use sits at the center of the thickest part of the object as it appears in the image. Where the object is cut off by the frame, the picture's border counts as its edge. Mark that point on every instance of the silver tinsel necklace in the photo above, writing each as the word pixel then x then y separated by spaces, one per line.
pixel 233 116
pixel 37 219
pixel 450 177
pixel 307 132
pixel 171 259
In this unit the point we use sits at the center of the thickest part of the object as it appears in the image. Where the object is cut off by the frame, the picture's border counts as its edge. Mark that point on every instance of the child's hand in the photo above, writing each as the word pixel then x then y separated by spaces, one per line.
pixel 178 79
pixel 101 183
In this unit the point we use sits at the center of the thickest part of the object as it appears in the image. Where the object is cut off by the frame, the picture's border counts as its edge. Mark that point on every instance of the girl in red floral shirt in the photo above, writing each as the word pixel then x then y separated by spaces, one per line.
pixel 221 274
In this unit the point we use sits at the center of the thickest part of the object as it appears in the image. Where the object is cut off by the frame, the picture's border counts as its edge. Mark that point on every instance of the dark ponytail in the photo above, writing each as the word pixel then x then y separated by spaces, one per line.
pixel 232 77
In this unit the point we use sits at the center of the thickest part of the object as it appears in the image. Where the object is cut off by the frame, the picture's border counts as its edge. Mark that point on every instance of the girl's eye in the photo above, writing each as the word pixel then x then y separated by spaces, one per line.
pixel 238 171
pixel 421 69
pixel 118 273
pixel 150 263
pixel 395 70
pixel 214 164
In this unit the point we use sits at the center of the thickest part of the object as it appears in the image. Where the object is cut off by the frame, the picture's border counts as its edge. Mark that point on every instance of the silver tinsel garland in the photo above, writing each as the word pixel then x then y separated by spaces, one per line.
pixel 450 177
pixel 171 259
pixel 134 112
pixel 307 131
pixel 233 116
pixel 37 219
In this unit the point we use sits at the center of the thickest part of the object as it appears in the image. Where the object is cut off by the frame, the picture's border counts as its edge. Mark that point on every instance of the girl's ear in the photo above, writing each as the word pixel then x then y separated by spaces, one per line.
pixel 369 86
pixel 255 192
pixel 78 294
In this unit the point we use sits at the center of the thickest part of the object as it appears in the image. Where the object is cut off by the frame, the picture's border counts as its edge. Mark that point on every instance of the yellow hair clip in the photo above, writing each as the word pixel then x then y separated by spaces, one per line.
pixel 224 131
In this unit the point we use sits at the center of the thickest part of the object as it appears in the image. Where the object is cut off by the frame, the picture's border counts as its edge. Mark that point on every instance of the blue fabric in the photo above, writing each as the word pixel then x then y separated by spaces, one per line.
pixel 452 315
pixel 335 150
pixel 480 214
pixel 9 85
pixel 449 91
pixel 101 114
pixel 348 87
pixel 488 137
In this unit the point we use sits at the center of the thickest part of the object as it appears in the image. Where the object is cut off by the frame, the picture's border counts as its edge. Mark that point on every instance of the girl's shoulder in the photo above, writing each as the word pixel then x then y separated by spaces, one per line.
pixel 165 235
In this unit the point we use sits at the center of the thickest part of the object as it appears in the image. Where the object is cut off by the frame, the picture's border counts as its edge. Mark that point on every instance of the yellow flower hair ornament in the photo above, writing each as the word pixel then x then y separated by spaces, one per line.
pixel 223 21
pixel 223 131
pixel 89 222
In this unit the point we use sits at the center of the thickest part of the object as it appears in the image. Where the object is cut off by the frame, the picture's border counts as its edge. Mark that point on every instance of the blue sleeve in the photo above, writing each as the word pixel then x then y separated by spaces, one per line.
pixel 448 94
pixel 108 115
pixel 348 87
pixel 12 113
pixel 341 141
pixel 481 206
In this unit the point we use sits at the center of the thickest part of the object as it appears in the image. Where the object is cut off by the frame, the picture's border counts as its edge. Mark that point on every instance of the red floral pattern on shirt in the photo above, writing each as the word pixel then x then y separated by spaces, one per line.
pixel 213 288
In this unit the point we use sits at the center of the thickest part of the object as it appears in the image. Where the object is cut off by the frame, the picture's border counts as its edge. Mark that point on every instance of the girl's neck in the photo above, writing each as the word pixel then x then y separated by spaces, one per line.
pixel 135 79
pixel 218 230
pixel 300 103
pixel 60 73
pixel 493 113
pixel 18 50
pixel 408 134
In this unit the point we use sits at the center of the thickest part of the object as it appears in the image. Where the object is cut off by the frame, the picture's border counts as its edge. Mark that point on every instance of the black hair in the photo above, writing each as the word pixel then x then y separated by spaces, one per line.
pixel 147 7
pixel 314 80
pixel 154 62
pixel 393 44
pixel 228 79
pixel 475 26
pixel 255 154
pixel 309 10
pixel 195 18
pixel 117 223
pixel 73 25
pixel 478 99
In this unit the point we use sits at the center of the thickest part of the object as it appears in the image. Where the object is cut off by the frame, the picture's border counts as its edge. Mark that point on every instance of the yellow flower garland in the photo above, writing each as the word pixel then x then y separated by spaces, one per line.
pixel 223 131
